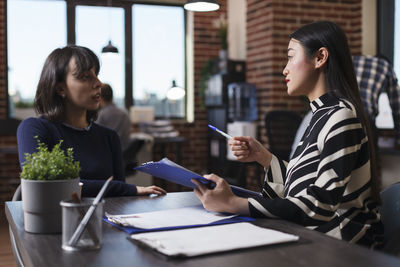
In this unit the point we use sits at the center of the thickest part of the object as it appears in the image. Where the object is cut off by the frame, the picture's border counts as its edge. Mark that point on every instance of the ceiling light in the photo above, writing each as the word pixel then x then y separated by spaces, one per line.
pixel 201 5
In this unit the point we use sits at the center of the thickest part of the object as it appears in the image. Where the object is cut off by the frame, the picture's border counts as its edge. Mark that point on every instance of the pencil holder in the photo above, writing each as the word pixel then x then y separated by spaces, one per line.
pixel 72 215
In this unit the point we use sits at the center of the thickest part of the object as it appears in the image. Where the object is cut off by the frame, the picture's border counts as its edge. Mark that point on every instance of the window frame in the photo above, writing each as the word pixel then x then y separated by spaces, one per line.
pixel 127 7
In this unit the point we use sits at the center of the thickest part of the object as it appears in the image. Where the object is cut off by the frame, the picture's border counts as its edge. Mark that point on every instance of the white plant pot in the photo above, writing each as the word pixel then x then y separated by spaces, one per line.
pixel 41 203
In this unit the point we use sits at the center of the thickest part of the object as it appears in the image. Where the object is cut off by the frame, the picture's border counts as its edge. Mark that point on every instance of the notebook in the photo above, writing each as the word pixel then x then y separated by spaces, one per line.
pixel 170 171
pixel 212 239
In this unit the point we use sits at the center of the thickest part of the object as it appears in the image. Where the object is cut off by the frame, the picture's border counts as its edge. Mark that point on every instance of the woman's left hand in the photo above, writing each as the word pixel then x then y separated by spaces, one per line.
pixel 142 191
pixel 221 197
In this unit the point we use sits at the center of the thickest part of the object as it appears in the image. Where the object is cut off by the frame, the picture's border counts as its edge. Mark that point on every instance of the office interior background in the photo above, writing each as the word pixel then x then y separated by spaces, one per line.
pixel 257 38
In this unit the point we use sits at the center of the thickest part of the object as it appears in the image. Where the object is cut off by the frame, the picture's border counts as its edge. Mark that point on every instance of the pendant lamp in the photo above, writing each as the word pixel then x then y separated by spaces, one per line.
pixel 109 48
pixel 176 92
pixel 201 5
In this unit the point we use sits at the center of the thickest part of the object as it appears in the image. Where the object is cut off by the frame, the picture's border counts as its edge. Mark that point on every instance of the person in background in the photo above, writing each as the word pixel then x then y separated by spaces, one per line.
pixel 114 117
pixel 67 99
pixel 329 185
pixel 375 76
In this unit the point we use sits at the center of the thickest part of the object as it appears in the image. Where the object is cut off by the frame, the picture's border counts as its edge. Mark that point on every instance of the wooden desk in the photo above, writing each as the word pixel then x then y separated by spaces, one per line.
pixel 313 249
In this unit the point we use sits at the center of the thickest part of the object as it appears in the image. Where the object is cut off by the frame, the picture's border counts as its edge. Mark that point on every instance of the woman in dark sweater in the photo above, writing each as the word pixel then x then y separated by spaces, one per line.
pixel 329 184
pixel 67 100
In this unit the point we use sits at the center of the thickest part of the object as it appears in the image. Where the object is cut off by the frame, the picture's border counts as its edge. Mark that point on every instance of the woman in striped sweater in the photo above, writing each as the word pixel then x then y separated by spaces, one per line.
pixel 329 184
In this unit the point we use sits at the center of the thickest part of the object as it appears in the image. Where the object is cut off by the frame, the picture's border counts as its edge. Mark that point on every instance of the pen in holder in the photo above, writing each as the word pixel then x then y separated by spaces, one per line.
pixel 72 215
pixel 92 232
pixel 80 236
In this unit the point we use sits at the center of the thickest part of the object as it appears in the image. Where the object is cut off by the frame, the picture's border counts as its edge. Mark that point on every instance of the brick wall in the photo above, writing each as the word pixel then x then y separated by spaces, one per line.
pixel 3 73
pixel 206 46
pixel 269 23
pixel 9 168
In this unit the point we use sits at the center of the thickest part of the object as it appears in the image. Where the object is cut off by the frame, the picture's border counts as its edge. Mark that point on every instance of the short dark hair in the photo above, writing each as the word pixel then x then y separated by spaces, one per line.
pixel 339 75
pixel 48 103
pixel 106 92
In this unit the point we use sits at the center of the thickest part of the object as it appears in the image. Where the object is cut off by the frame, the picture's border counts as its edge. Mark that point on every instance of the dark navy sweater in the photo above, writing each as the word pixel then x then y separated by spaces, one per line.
pixel 97 148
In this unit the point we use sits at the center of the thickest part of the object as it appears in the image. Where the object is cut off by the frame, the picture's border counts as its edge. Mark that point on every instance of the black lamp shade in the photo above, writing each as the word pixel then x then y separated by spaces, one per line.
pixel 109 48
pixel 201 5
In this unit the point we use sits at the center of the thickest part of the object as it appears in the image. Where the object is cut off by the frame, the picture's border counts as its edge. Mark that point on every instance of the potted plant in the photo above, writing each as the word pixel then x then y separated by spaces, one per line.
pixel 47 178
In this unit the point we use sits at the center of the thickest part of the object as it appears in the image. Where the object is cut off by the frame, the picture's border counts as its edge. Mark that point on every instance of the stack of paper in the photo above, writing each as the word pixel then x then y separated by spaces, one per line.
pixel 188 217
pixel 195 215
pixel 211 239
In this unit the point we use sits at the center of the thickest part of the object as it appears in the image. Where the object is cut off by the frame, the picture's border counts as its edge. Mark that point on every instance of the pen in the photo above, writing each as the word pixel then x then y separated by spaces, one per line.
pixel 75 199
pixel 82 225
pixel 220 132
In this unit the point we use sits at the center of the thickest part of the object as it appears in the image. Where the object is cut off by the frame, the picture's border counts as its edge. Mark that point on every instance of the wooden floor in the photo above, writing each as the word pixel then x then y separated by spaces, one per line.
pixel 6 255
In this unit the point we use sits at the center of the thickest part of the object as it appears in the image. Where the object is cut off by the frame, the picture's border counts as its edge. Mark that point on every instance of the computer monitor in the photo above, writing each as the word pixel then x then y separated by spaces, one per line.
pixel 138 114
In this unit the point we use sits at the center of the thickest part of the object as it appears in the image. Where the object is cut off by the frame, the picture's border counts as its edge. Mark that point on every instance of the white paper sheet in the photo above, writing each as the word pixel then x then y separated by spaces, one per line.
pixel 168 218
pixel 210 239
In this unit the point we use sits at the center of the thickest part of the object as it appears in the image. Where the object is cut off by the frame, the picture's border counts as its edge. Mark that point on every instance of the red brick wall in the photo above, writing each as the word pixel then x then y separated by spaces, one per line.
pixel 206 46
pixel 269 23
pixel 9 168
pixel 3 64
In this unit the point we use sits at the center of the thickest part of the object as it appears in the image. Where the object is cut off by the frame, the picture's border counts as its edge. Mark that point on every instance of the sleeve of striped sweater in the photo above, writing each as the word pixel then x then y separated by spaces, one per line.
pixel 341 146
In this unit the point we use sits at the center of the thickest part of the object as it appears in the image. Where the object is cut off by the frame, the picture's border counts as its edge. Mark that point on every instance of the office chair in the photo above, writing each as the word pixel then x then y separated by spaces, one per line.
pixel 16 197
pixel 130 155
pixel 281 127
pixel 390 214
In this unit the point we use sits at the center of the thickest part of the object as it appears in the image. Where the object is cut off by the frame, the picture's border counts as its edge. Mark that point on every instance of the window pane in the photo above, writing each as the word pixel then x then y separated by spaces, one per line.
pixel 34 28
pixel 95 26
pixel 158 57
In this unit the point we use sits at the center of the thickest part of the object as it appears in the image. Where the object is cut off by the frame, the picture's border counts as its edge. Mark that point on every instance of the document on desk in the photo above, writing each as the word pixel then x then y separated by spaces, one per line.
pixel 211 239
pixel 170 171
pixel 195 215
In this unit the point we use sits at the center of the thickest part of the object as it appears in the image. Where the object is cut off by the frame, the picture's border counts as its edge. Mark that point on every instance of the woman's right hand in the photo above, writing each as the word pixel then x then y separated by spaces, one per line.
pixel 247 149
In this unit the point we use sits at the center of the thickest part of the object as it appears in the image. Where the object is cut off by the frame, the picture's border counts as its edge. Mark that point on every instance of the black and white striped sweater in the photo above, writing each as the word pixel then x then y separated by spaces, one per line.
pixel 326 186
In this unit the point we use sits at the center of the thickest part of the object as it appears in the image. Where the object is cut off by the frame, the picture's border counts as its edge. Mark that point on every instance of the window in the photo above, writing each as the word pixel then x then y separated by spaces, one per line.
pixel 158 57
pixel 150 39
pixel 29 24
pixel 95 26
pixel 388 27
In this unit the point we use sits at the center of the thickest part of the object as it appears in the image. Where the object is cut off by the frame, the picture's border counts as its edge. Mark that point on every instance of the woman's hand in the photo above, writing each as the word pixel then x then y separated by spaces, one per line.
pixel 220 198
pixel 142 191
pixel 247 149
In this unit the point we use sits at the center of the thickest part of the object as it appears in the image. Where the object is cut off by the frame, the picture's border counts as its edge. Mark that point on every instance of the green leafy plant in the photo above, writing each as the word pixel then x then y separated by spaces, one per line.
pixel 50 165
pixel 222 26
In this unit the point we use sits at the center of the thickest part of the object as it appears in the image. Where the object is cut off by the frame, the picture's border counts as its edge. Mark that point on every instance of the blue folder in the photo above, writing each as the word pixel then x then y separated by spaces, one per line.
pixel 133 230
pixel 170 171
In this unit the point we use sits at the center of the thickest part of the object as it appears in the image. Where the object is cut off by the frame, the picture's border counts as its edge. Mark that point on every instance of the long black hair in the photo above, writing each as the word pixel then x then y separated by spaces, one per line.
pixel 339 75
pixel 48 102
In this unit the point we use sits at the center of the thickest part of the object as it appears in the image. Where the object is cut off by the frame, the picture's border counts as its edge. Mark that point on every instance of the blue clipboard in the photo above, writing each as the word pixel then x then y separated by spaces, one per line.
pixel 135 230
pixel 172 172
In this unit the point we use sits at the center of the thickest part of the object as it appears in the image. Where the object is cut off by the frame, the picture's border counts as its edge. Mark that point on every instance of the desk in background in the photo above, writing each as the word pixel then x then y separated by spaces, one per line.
pixel 313 249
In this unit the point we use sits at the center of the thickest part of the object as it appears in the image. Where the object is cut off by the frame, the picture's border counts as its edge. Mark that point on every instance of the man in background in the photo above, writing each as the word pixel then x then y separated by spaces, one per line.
pixel 114 117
